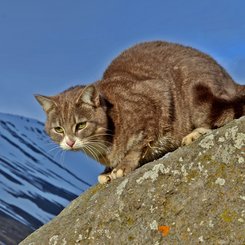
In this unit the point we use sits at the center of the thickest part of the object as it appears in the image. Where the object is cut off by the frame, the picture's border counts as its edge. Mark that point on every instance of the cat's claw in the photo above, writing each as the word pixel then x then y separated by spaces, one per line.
pixel 194 135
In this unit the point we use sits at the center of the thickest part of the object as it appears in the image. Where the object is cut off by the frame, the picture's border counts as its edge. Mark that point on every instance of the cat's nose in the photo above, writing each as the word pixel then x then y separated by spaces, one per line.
pixel 70 142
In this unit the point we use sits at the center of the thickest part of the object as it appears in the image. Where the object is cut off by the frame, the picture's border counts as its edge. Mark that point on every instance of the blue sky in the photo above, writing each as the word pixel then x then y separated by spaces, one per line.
pixel 47 46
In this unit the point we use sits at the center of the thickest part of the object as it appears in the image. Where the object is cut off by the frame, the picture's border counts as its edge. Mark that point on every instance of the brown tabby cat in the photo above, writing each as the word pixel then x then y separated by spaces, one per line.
pixel 152 98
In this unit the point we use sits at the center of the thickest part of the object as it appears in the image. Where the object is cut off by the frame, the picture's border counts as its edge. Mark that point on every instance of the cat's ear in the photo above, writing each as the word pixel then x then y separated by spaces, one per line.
pixel 46 102
pixel 90 96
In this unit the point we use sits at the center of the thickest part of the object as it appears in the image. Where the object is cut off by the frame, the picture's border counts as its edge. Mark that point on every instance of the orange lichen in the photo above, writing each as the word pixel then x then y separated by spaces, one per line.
pixel 164 229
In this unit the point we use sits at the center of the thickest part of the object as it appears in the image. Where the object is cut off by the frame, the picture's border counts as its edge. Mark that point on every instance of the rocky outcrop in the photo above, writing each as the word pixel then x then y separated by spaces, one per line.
pixel 193 195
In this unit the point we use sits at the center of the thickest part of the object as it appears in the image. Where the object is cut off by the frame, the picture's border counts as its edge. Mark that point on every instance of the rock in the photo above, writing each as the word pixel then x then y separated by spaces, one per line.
pixel 193 195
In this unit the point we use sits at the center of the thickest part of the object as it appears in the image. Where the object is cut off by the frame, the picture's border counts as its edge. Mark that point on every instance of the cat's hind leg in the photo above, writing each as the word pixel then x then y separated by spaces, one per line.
pixel 194 135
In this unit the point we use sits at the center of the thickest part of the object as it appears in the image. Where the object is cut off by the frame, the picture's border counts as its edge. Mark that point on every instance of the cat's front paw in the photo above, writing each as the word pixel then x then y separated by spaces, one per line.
pixel 104 178
pixel 121 170
pixel 194 135
pixel 117 173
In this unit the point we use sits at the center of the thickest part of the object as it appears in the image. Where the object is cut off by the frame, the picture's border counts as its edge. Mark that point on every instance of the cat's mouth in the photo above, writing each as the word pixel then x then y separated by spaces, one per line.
pixel 69 148
pixel 92 147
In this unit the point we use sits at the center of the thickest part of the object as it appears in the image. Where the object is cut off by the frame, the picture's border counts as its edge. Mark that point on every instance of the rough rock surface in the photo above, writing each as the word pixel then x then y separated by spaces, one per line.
pixel 193 195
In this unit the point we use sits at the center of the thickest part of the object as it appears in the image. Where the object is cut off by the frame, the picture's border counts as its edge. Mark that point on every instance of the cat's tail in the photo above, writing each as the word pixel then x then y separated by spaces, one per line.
pixel 240 90
pixel 225 110
pixel 240 98
pixel 222 109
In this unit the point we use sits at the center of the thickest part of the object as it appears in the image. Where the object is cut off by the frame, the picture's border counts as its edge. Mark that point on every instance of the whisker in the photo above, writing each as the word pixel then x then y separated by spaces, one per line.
pixel 97 144
pixel 52 149
pixel 50 143
pixel 57 153
pixel 83 148
pixel 95 151
pixel 100 141
pixel 60 157
pixel 96 139
pixel 86 149
pixel 103 150
pixel 91 152
pixel 63 158
pixel 100 146
pixel 95 148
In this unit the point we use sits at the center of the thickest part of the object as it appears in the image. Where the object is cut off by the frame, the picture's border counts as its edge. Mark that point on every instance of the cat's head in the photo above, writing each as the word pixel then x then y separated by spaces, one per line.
pixel 76 119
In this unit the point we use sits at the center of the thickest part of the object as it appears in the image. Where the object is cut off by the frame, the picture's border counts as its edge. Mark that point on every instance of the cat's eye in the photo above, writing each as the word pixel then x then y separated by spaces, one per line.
pixel 59 130
pixel 81 125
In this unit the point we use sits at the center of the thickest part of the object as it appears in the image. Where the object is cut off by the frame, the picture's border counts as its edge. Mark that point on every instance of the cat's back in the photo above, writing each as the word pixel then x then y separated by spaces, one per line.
pixel 157 59
pixel 168 66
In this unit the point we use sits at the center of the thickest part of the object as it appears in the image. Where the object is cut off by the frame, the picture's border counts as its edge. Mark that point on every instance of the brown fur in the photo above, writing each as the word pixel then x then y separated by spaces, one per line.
pixel 151 98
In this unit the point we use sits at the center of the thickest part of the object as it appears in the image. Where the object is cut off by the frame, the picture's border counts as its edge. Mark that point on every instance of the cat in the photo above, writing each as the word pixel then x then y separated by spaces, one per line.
pixel 153 98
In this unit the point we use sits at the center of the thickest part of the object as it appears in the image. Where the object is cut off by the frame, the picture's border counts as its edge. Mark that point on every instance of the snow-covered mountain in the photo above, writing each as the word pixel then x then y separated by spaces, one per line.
pixel 37 179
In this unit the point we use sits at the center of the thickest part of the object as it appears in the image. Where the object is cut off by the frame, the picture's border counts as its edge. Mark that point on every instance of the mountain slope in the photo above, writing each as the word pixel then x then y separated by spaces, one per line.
pixel 36 181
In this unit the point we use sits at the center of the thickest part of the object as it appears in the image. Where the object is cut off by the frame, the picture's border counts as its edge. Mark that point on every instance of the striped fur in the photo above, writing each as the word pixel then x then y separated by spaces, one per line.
pixel 150 98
